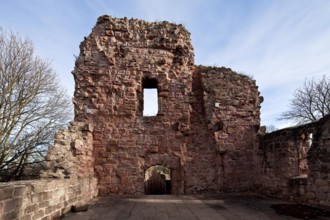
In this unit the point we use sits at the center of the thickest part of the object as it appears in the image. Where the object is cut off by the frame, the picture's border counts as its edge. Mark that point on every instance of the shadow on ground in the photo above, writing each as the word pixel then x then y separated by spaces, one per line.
pixel 171 207
pixel 264 206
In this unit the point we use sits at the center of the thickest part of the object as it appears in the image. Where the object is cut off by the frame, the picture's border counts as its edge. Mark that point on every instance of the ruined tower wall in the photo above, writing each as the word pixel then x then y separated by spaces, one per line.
pixel 206 130
pixel 206 126
pixel 231 104
pixel 114 61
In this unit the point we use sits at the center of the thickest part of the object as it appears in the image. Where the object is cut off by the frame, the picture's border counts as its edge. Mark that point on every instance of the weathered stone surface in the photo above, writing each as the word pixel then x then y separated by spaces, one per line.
pixel 207 122
pixel 206 133
pixel 207 129
pixel 294 163
pixel 45 199
pixel 71 156
pixel 319 164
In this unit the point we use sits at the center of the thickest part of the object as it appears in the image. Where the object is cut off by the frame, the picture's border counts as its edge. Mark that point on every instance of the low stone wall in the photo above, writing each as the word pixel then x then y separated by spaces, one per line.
pixel 283 156
pixel 318 191
pixel 44 199
pixel 294 163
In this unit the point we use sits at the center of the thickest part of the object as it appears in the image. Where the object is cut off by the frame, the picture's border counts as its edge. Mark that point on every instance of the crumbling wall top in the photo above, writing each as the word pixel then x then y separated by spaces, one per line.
pixel 116 36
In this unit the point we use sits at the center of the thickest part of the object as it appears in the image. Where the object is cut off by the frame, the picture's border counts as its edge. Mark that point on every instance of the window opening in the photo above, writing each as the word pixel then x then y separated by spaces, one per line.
pixel 310 140
pixel 307 141
pixel 150 97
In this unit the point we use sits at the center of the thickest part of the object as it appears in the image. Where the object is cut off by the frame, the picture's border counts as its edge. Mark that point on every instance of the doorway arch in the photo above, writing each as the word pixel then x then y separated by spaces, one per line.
pixel 157 180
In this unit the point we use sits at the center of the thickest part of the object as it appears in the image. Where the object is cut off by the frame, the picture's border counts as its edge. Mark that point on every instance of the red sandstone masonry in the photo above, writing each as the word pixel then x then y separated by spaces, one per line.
pixel 208 119
pixel 109 71
pixel 318 191
pixel 70 158
pixel 205 132
pixel 290 168
pixel 44 199
pixel 72 154
pixel 232 112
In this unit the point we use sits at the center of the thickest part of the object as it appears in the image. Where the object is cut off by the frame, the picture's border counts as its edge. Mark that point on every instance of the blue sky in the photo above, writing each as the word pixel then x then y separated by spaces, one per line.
pixel 278 42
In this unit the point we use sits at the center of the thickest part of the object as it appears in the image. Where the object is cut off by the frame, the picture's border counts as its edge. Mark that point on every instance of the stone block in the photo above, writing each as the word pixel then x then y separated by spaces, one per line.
pixel 19 191
pixel 56 215
pixel 31 208
pixel 323 189
pixel 321 196
pixel 47 218
pixel 6 192
pixel 38 214
pixel 43 204
pixel 325 203
pixel 26 217
pixel 321 183
pixel 11 205
pixel 9 216
pixel 51 209
pixel 38 187
pixel 37 197
pixel 89 127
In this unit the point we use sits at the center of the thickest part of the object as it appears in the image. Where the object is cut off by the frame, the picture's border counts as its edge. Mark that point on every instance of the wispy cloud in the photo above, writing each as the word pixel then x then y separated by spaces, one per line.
pixel 280 46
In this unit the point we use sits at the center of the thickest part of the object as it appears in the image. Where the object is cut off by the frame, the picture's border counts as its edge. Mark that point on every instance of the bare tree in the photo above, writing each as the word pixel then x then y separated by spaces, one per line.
pixel 32 106
pixel 310 102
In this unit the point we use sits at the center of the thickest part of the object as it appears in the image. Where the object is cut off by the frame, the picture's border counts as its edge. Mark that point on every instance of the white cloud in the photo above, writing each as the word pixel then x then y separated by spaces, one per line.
pixel 280 46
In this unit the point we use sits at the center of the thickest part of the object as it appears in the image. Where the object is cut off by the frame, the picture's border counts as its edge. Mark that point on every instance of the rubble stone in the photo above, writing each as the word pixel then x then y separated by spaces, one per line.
pixel 207 122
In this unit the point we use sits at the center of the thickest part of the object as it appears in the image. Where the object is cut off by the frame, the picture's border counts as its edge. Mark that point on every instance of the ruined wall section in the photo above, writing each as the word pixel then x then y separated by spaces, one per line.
pixel 283 160
pixel 232 113
pixel 109 72
pixel 44 199
pixel 294 163
pixel 318 157
pixel 207 122
pixel 201 152
pixel 72 153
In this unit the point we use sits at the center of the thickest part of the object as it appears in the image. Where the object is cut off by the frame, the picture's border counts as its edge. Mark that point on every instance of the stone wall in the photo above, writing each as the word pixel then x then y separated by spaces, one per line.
pixel 72 153
pixel 206 131
pixel 283 156
pixel 294 163
pixel 318 191
pixel 44 199
pixel 68 181
pixel 207 121
pixel 231 104
pixel 113 63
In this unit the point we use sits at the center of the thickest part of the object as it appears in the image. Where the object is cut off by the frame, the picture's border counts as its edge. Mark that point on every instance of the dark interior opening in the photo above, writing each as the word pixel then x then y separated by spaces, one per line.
pixel 150 97
pixel 157 180
pixel 149 83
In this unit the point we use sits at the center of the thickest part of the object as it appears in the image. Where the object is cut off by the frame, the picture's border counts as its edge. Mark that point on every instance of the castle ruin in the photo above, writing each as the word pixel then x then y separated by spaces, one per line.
pixel 206 127
pixel 206 135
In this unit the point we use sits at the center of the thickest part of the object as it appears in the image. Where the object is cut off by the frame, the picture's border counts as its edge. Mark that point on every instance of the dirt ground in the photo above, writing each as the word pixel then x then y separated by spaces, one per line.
pixel 188 207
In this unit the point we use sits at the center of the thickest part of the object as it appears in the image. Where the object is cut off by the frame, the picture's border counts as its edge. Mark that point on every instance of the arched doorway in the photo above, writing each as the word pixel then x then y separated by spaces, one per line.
pixel 157 180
